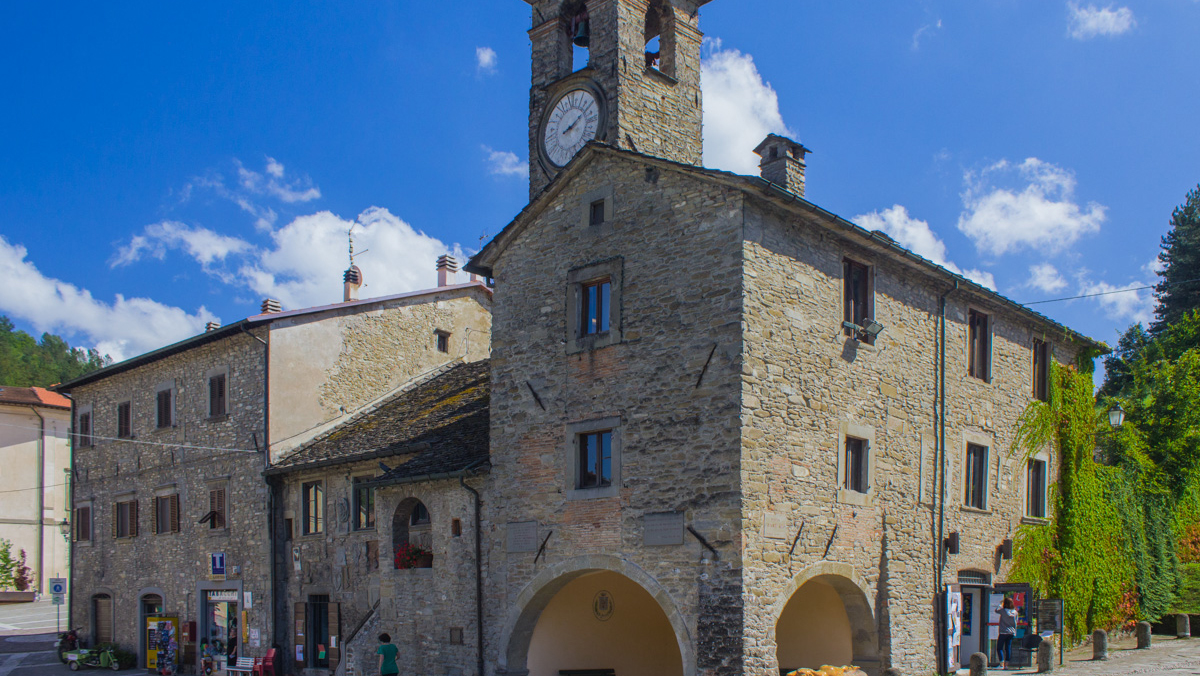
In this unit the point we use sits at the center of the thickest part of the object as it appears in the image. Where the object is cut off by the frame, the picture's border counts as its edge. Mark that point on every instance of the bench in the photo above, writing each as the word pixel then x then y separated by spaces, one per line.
pixel 245 665
pixel 587 672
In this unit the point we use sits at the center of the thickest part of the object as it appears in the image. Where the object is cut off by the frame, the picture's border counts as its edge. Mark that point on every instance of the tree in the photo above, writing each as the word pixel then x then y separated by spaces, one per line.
pixel 8 565
pixel 25 362
pixel 1179 290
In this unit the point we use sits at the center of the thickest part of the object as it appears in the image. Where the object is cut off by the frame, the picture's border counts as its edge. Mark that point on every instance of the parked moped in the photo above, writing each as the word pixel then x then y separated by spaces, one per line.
pixel 68 640
pixel 100 658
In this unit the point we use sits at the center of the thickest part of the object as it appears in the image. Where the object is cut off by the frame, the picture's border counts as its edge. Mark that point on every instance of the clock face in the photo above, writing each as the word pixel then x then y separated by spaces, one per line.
pixel 573 122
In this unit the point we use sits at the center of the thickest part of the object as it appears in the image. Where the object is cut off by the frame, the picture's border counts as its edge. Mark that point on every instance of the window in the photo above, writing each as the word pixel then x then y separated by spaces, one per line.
pixel 314 507
pixel 166 514
pixel 217 401
pixel 596 213
pixel 84 432
pixel 979 345
pixel 124 420
pixel 215 518
pixel 660 38
pixel 420 515
pixel 1035 490
pixel 443 341
pixel 975 477
pixel 456 528
pixel 165 407
pixel 593 318
pixel 856 293
pixel 856 465
pixel 83 523
pixel 595 460
pixel 125 519
pixel 412 530
pixel 1041 370
pixel 364 504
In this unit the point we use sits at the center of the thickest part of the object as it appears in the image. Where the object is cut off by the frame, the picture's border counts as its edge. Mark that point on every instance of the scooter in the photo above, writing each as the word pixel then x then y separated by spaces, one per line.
pixel 68 640
pixel 101 658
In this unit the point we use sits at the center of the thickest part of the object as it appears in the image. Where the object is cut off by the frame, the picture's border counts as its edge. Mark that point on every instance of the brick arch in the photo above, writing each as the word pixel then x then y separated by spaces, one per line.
pixel 856 598
pixel 537 594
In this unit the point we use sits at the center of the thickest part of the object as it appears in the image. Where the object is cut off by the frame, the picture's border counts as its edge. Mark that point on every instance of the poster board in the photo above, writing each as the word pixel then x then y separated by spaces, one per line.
pixel 162 641
pixel 953 625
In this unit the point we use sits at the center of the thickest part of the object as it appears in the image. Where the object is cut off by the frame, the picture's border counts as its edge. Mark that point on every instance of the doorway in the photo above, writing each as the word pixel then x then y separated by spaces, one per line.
pixel 151 605
pixel 974 624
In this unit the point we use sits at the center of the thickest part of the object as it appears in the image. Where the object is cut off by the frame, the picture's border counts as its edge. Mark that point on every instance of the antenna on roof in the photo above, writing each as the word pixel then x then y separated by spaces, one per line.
pixel 350 236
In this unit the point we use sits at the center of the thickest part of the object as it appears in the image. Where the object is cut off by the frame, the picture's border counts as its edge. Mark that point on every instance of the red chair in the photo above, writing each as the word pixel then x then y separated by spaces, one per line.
pixel 265 666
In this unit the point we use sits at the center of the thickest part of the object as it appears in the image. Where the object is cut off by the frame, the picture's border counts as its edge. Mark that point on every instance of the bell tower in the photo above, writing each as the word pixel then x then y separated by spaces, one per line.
pixel 639 89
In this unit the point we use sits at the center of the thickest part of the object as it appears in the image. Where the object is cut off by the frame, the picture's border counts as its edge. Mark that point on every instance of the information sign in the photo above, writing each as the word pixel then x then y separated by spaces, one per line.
pixel 57 599
pixel 58 585
pixel 1050 615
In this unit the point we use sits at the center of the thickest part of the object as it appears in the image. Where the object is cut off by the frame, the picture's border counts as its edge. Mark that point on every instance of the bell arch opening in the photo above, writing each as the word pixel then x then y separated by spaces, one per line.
pixel 826 620
pixel 597 618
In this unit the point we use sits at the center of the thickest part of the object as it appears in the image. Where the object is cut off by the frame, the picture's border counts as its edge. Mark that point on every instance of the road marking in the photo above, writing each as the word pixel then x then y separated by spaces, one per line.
pixel 14 660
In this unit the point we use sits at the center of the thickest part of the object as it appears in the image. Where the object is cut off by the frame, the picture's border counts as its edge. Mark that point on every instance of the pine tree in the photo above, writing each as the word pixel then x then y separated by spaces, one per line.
pixel 1179 290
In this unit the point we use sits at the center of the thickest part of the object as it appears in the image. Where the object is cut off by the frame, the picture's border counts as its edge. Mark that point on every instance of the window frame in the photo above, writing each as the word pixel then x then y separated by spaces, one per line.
pixel 218 507
pixel 171 502
pixel 979 344
pixel 442 341
pixel 597 293
pixel 312 494
pixel 1042 354
pixel 850 300
pixel 168 389
pixel 976 476
pixel 210 376
pixel 585 466
pixel 125 517
pixel 572 466
pixel 866 434
pixel 85 438
pixel 359 524
pixel 577 278
pixel 1037 496
pixel 125 419
pixel 587 201
pixel 80 521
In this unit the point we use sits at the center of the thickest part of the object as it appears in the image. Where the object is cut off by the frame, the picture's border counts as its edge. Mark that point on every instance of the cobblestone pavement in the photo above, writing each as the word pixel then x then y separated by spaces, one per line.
pixel 1166 655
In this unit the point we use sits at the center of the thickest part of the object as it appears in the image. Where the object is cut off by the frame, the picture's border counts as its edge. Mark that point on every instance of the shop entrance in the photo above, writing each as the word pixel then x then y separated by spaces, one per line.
pixel 827 620
pixel 974 613
pixel 220 629
pixel 151 605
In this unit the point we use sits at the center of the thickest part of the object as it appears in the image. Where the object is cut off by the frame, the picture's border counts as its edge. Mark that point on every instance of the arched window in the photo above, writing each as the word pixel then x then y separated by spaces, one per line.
pixel 660 37
pixel 412 535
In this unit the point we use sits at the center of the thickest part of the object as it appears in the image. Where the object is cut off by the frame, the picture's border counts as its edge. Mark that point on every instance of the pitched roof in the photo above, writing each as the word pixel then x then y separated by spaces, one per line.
pixel 761 189
pixel 33 396
pixel 436 425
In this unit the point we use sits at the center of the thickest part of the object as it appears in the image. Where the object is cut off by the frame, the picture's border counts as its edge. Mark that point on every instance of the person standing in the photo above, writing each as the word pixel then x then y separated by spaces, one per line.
pixel 387 655
pixel 1008 630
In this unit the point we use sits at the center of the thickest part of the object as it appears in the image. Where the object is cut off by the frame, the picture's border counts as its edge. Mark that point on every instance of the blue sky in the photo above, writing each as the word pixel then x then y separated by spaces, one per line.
pixel 167 164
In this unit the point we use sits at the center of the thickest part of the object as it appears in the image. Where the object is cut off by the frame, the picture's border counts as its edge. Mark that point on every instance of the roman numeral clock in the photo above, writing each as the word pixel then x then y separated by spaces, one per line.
pixel 577 115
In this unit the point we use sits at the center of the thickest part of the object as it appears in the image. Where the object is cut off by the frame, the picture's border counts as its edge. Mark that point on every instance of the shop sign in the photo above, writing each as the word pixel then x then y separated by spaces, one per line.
pixel 218 566
pixel 223 596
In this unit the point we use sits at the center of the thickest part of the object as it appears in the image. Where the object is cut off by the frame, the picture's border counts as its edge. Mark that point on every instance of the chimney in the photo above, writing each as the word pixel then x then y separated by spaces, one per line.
pixel 271 306
pixel 446 267
pixel 211 326
pixel 783 162
pixel 352 281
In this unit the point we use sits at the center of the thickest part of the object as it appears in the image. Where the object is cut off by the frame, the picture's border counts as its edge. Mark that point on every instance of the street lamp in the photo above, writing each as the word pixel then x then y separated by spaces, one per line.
pixel 65 528
pixel 1116 416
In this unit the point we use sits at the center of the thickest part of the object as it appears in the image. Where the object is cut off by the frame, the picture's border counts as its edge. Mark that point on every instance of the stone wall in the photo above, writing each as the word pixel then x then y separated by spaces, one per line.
pixel 670 386
pixel 327 365
pixel 806 385
pixel 175 566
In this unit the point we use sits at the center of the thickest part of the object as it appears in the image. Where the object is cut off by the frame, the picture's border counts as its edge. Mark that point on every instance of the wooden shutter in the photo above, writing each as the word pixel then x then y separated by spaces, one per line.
pixel 174 508
pixel 334 649
pixel 154 516
pixel 116 514
pixel 300 622
pixel 104 619
pixel 133 518
pixel 216 504
pixel 216 396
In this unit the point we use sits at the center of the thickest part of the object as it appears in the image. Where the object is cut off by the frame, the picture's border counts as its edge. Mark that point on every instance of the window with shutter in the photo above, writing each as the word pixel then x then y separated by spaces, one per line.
pixel 83 524
pixel 979 345
pixel 216 508
pixel 857 298
pixel 217 400
pixel 166 514
pixel 125 519
pixel 165 409
pixel 174 513
pixel 1041 370
pixel 124 420
pixel 84 435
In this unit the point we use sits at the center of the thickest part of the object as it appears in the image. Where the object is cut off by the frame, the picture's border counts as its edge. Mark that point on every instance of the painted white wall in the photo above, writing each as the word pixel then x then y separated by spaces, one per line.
pixel 636 641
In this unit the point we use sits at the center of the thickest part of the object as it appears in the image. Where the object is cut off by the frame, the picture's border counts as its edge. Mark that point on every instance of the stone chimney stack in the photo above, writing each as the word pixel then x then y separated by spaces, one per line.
pixel 447 268
pixel 271 306
pixel 352 281
pixel 783 162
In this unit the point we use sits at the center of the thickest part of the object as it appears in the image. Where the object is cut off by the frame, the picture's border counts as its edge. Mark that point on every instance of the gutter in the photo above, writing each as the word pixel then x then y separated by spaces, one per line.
pixel 357 457
pixel 940 557
pixel 462 481
pixel 71 436
pixel 41 498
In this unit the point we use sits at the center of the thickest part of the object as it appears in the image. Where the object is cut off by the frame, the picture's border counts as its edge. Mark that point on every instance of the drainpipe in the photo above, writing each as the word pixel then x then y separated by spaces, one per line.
pixel 71 517
pixel 41 498
pixel 940 559
pixel 462 480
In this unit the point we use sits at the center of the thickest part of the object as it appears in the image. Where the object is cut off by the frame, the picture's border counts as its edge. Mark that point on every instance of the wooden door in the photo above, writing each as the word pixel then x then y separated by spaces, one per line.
pixel 104 618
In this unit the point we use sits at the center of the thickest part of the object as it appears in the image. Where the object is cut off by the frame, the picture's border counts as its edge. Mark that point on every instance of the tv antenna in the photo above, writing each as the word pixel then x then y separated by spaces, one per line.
pixel 350 236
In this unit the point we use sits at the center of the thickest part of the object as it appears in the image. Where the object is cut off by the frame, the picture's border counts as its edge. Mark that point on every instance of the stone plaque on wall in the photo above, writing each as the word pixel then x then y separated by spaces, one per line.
pixel 663 529
pixel 775 526
pixel 522 537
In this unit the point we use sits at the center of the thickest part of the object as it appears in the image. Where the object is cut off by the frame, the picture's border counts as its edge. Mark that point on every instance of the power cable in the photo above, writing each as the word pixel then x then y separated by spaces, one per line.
pixel 185 447
pixel 1109 293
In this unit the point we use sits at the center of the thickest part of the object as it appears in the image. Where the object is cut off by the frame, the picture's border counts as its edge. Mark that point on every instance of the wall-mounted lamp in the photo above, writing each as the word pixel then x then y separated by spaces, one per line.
pixel 869 332
pixel 951 543
pixel 1116 416
pixel 1006 550
pixel 65 529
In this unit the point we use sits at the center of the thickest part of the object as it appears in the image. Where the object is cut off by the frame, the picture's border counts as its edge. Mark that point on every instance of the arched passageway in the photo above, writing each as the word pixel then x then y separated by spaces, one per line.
pixel 597 614
pixel 826 620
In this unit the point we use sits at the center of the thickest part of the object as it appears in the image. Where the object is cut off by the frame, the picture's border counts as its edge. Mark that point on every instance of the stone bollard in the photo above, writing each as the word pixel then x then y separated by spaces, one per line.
pixel 979 662
pixel 1099 645
pixel 1143 635
pixel 1045 656
pixel 1183 626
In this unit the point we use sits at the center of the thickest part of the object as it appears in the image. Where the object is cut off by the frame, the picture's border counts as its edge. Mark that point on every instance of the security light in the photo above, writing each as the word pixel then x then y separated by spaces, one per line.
pixel 872 328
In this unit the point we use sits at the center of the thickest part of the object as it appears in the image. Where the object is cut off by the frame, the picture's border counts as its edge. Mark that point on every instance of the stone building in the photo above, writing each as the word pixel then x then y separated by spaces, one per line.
pixel 171 510
pixel 35 452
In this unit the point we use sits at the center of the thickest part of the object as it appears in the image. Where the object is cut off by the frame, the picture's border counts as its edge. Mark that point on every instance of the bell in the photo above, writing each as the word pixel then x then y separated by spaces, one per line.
pixel 583 33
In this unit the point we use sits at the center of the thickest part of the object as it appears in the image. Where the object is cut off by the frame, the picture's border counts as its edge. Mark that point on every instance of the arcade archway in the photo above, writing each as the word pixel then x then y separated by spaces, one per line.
pixel 825 618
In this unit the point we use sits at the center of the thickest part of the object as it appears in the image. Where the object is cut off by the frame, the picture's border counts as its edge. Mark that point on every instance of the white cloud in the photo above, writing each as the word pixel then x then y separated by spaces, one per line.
pixel 1046 277
pixel 305 264
pixel 739 109
pixel 503 163
pixel 121 329
pixel 485 60
pixel 916 236
pixel 1040 215
pixel 274 184
pixel 204 245
pixel 1088 22
pixel 1131 306
pixel 923 31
